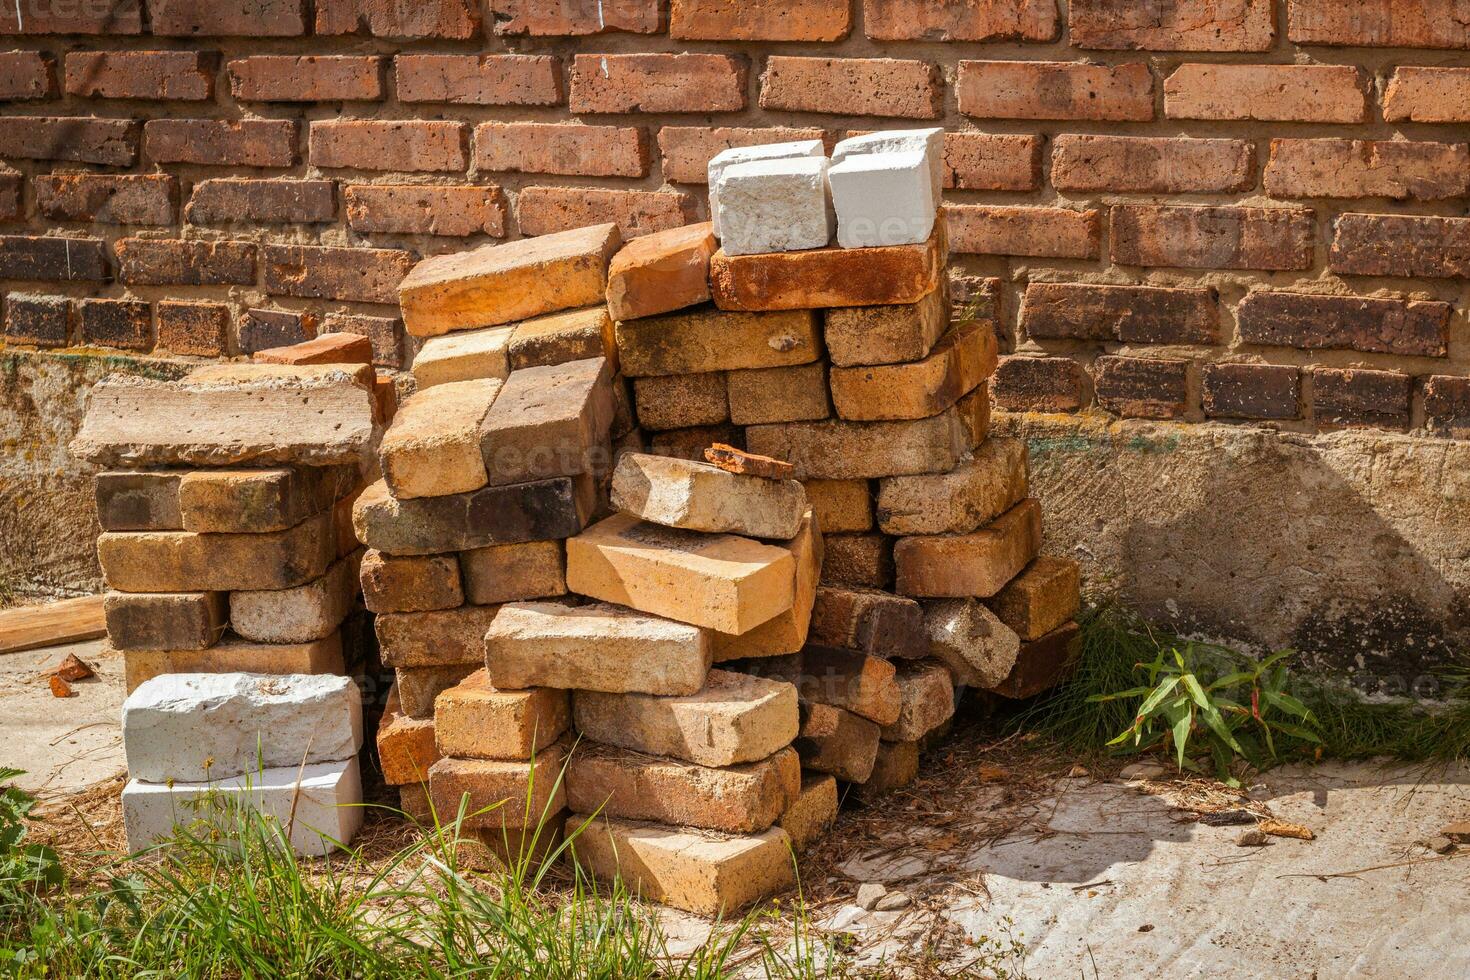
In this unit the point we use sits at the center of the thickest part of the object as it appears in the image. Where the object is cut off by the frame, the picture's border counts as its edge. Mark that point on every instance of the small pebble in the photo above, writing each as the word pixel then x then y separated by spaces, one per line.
pixel 892 902
pixel 1440 845
pixel 1251 838
pixel 869 894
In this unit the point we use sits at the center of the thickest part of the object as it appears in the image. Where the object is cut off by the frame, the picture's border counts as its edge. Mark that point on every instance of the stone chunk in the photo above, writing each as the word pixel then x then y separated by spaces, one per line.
pixel 699 497
pixel 734 460
pixel 678 401
pixel 852 681
pixel 837 742
pixel 182 561
pixel 702 872
pixel 253 501
pixel 928 143
pixel 812 813
pixel 841 506
pixel 433 447
pixel 662 272
pixel 629 785
pixel 720 581
pixel 971 641
pixel 781 394
pixel 978 564
pixel 254 721
pixel 1043 664
pixel 232 654
pixel 465 356
pixel 475 720
pixel 442 638
pixel 738 155
pixel 704 339
pixel 974 493
pixel 514 572
pixel 734 718
pixel 1042 598
pixel 549 421
pixel 236 413
pixel 165 621
pixel 786 632
pixel 498 794
pixel 927 691
pixel 419 686
pixel 561 337
pixel 133 501
pixel 308 612
pixel 538 511
pixel 406 747
pixel 827 277
pixel 403 585
pixel 778 205
pixel 891 334
pixel 873 622
pixel 962 359
pixel 499 284
pixel 884 199
pixel 596 647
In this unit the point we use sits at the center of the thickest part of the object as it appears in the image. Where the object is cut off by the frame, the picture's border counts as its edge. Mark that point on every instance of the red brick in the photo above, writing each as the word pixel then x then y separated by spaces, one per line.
pixel 263 329
pixel 760 20
pixel 1131 314
pixel 1400 245
pixel 558 148
pixel 399 145
pixel 1251 391
pixel 425 209
pixel 489 79
pixel 1447 406
pixel 979 20
pixel 1212 237
pixel 853 86
pixel 1184 25
pixel 236 18
pixel 1142 388
pixel 984 229
pixel 26 75
pixel 222 143
pixel 194 329
pixel 37 321
pixel 992 162
pixel 111 17
pixel 1380 23
pixel 544 210
pixel 178 262
pixel 1367 168
pixel 405 19
pixel 52 259
pixel 687 150
pixel 1356 398
pixel 360 275
pixel 1268 93
pixel 114 199
pixel 1038 384
pixel 306 78
pixel 1055 90
pixel 1376 326
pixel 117 323
pixel 1427 95
pixel 383 332
pixel 340 348
pixel 181 75
pixel 658 83
pixel 1152 164
pixel 286 201
pixel 113 142
pixel 576 18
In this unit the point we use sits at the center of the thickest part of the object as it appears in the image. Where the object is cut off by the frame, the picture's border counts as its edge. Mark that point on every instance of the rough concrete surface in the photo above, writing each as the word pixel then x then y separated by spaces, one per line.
pixel 63 746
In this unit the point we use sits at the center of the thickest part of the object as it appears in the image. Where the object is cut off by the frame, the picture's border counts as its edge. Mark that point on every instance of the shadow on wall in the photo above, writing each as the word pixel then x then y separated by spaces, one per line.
pixel 1352 547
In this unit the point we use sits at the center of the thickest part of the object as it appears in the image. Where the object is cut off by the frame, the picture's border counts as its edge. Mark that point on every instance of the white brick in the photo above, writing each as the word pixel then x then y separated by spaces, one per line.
pixel 929 142
pixel 883 199
pixel 775 206
pixel 749 154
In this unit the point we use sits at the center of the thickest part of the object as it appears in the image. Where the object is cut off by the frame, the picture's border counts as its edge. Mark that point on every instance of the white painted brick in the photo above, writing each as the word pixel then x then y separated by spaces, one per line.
pixel 882 199
pixel 750 154
pixel 775 206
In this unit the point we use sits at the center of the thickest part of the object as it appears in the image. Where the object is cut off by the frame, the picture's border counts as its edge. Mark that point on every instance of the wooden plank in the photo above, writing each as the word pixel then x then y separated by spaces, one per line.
pixel 54 624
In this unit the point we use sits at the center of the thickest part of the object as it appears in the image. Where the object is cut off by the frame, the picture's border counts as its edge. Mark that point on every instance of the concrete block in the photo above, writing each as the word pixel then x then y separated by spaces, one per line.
pixel 550 421
pixel 476 720
pixel 977 564
pixel 183 561
pixel 888 334
pixel 661 272
pixel 837 742
pixel 980 489
pixel 514 572
pixel 696 496
pixel 1043 597
pixel 410 584
pixel 501 795
pixel 927 693
pixel 928 142
pixel 466 356
pixel 557 338
pixel 432 449
pixel 971 641
pixel 774 206
pixel 129 500
pixel 785 632
pixel 876 623
pixel 406 747
pixel 883 199
pixel 234 655
pixel 737 155
pixel 165 621
pixel 812 813
pixel 308 612
pixel 959 363
pixel 441 638
pixel 704 339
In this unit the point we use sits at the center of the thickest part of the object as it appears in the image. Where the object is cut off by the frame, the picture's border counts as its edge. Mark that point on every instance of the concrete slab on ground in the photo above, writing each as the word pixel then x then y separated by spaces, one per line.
pixel 63 744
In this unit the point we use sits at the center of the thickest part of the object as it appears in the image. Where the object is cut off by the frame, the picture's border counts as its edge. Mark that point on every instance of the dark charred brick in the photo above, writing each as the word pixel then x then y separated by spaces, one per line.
pixel 227 18
pixel 196 329
pixel 1378 326
pixel 1359 398
pixel 52 259
pixel 361 275
pixel 1400 245
pixel 117 323
pixel 264 329
pixel 222 142
pixel 1251 391
pixel 1132 314
pixel 285 201
pixel 1043 664
pixel 27 75
pixel 1143 388
pixel 110 17
pixel 38 321
pixel 1038 384
pixel 177 262
pixel 1447 406
pixel 383 332
pixel 118 199
pixel 111 142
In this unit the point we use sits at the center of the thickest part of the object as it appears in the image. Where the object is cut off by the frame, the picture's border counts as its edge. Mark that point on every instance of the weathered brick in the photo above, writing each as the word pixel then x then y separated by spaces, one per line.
pixel 12 194
pixel 1055 90
pixel 1400 245
pixel 489 79
pixel 360 275
pixel 400 145
pixel 1142 388
pixel 1268 93
pixel 545 210
pixel 448 19
pixel 760 20
pixel 221 142
pixel 1367 168
pixel 661 273
pixel 1381 326
pixel 1152 164
pixel 113 142
pixel 992 162
pixel 402 585
pixel 1358 398
pixel 114 199
pixel 117 323
pixel 985 20
pixel 677 401
pixel 1131 314
pixel 1427 95
pixel 1251 391
pixel 1213 237
pixel 1038 384
pixel 985 229
pixel 242 18
pixel 37 321
pixel 702 340
pixel 26 75
pixel 1376 23
pixel 1187 25
pixel 423 209
pixel 383 332
pixel 658 83
pixel 555 148
pixel 265 329
pixel 687 150
pixel 48 259
pixel 961 360
pixel 306 78
pixel 181 75
pixel 231 199
pixel 1447 406
pixel 858 560
pixel 178 262
pixel 194 329
pixel 780 394
pixel 853 86
pixel 575 18
pixel 112 17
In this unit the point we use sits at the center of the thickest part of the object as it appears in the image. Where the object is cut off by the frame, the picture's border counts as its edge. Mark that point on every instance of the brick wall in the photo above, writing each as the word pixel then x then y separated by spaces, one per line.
pixel 1234 209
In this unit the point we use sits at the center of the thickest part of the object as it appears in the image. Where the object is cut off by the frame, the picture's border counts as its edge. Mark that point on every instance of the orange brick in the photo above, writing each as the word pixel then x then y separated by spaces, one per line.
pixel 853 86
pixel 658 83
pixel 556 148
pixel 401 145
pixel 1055 90
pixel 1376 23
pixel 557 18
pixel 985 20
pixel 1152 164
pixel 449 19
pixel 181 75
pixel 1269 93
pixel 1368 168
pixel 992 162
pixel 1042 232
pixel 760 20
pixel 298 78
pixel 332 348
pixel 543 210
pixel 1183 25
pixel 489 79
pixel 1427 95
pixel 687 150
pixel 1213 237
pixel 424 209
